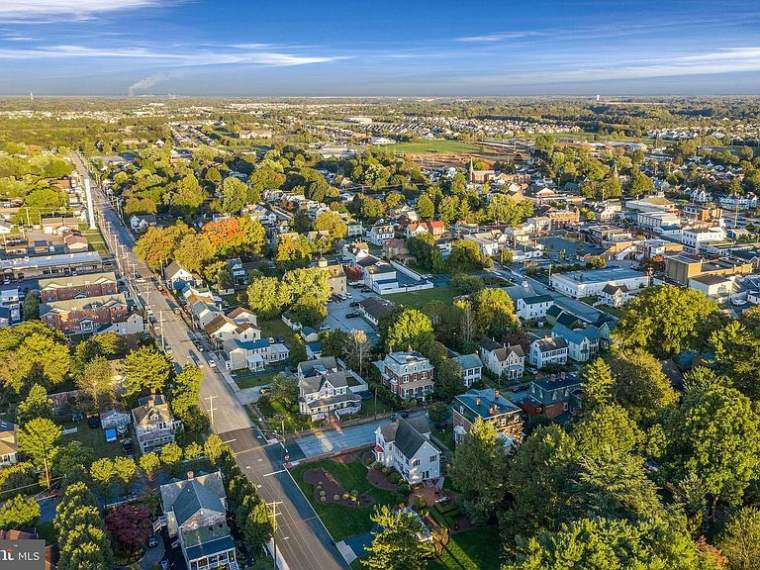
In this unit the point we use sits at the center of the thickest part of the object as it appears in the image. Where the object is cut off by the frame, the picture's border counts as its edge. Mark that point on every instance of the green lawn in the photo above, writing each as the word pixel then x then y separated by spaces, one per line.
pixel 274 409
pixel 96 439
pixel 95 239
pixel 276 328
pixel 445 436
pixel 614 311
pixel 417 299
pixel 341 521
pixel 434 146
pixel 369 408
pixel 248 379
pixel 476 549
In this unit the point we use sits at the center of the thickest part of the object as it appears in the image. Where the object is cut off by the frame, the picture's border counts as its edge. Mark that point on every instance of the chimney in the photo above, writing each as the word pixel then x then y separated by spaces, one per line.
pixel 477 401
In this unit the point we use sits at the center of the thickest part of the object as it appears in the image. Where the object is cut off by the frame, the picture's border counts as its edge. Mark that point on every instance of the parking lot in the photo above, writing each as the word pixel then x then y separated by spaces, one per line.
pixel 337 312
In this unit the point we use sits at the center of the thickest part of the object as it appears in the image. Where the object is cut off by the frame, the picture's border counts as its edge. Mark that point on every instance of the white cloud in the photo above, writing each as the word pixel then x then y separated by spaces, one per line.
pixel 41 10
pixel 190 57
pixel 497 37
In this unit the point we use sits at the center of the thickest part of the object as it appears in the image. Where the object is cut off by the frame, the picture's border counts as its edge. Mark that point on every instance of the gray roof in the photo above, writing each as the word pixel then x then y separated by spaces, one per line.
pixel 39 261
pixel 408 434
pixel 467 361
pixel 309 368
pixel 185 498
pixel 314 383
pixel 537 299
pixel 551 343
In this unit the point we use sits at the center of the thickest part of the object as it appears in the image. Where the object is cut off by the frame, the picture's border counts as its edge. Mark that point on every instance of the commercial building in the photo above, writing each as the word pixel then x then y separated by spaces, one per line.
pixel 579 284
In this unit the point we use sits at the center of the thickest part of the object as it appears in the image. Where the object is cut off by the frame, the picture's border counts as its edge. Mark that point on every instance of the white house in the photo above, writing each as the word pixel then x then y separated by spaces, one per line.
pixel 615 295
pixel 696 238
pixel 534 307
pixel 380 232
pixel 254 354
pixel 502 360
pixel 472 368
pixel 177 276
pixel 324 388
pixel 548 351
pixel 404 444
pixel 154 423
pixel 582 344
pixel 8 443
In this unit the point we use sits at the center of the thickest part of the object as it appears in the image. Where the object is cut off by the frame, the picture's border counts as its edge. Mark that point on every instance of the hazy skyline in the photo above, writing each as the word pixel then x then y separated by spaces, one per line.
pixel 186 47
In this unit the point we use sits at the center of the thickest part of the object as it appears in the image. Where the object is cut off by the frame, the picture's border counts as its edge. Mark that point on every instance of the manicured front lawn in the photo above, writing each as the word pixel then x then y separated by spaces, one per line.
pixel 275 412
pixel 95 240
pixel 614 311
pixel 476 549
pixel 343 521
pixel 369 408
pixel 248 379
pixel 417 299
pixel 275 328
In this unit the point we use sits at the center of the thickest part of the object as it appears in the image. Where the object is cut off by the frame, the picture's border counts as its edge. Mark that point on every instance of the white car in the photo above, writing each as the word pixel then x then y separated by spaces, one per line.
pixel 212 363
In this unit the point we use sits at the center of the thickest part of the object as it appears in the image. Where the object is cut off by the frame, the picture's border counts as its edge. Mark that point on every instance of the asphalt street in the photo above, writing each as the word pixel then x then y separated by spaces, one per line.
pixel 301 538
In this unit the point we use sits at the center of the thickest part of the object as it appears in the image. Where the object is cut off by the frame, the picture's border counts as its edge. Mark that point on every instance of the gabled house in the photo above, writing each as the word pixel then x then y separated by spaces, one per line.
pixel 435 228
pixel 8 443
pixel 534 307
pixel 547 351
pixel 89 315
pixel 254 354
pixel 223 328
pixel 582 344
pixel 491 407
pixel 471 366
pixel 407 374
pixel 552 397
pixel 237 271
pixel 502 360
pixel 615 295
pixel 404 445
pixel 154 423
pixel 177 277
pixel 373 309
pixel 196 515
pixel 324 388
pixel 380 232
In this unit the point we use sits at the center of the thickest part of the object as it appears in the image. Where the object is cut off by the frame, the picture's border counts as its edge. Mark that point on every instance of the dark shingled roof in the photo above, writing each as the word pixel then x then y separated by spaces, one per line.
pixel 408 434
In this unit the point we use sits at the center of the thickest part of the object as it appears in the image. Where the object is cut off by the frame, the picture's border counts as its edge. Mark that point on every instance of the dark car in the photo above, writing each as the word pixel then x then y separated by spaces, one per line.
pixel 355 304
pixel 352 315
pixel 153 541
pixel 127 445
pixel 93 422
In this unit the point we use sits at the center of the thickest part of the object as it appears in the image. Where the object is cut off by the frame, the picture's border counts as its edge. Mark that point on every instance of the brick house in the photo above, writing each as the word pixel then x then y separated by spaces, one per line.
pixel 407 374
pixel 67 287
pixel 490 406
pixel 76 316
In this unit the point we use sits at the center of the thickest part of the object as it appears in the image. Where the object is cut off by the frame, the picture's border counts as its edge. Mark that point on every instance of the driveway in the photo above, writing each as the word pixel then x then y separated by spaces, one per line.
pixel 334 441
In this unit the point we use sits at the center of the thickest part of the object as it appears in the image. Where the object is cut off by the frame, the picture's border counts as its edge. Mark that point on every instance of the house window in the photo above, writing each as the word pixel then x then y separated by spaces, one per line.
pixel 433 458
pixel 415 463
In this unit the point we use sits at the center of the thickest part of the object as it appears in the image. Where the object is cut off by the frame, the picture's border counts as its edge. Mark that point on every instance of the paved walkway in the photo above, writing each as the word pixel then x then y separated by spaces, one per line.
pixel 334 441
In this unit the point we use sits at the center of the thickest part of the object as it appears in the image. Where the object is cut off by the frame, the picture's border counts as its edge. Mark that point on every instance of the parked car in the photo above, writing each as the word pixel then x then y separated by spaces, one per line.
pixel 93 422
pixel 354 304
pixel 352 315
pixel 152 541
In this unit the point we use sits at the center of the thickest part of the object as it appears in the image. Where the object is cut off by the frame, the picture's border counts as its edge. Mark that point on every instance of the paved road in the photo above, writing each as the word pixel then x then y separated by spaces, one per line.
pixel 302 539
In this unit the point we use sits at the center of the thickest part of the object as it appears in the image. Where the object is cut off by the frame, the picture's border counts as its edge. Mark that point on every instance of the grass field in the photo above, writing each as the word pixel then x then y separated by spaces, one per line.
pixel 340 520
pixel 95 239
pixel 476 549
pixel 417 299
pixel 435 146
pixel 248 379
pixel 96 439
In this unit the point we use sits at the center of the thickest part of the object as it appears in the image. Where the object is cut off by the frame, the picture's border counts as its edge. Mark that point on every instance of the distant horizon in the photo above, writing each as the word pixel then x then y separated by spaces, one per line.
pixel 226 48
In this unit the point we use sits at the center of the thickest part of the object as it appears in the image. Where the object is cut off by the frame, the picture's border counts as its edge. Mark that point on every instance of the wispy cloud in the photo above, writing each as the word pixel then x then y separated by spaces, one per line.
pixel 146 83
pixel 189 57
pixel 31 11
pixel 498 37
pixel 730 60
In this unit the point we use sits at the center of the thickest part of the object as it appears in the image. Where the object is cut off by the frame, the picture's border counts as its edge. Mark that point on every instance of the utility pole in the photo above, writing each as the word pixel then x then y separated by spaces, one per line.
pixel 211 408
pixel 273 506
pixel 161 325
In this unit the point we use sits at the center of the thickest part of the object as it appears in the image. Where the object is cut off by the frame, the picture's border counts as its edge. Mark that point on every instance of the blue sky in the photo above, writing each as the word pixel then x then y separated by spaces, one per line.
pixel 387 47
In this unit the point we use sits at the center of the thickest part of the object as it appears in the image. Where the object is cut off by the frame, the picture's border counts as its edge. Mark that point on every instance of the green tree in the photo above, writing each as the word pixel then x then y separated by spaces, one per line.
pixel 737 355
pixel 607 429
pixel 449 380
pixel 156 246
pixel 258 526
pixel 714 436
pixel 466 257
pixel 479 470
pixel 598 384
pixel 294 250
pixel 601 544
pixel 639 183
pixel 234 195
pixel 425 207
pixel 145 369
pixel 171 455
pixel 194 253
pixel 494 312
pixel 103 474
pixel 267 297
pixel 333 223
pixel 189 194
pixel 35 405
pixel 641 387
pixel 395 546
pixel 82 539
pixel 74 455
pixel 666 320
pixel 19 512
pixel 38 438
pixel 97 381
pixel 284 389
pixel 150 463
pixel 125 470
pixel 740 541
pixel 31 307
pixel 407 329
